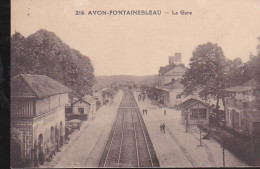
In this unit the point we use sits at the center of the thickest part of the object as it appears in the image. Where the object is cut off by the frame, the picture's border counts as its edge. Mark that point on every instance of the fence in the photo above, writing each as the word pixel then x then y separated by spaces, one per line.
pixel 77 116
pixel 246 150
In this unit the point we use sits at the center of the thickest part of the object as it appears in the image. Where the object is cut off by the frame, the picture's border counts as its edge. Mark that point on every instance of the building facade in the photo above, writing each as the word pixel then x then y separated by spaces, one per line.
pixel 84 106
pixel 171 72
pixel 241 108
pixel 38 112
pixel 194 112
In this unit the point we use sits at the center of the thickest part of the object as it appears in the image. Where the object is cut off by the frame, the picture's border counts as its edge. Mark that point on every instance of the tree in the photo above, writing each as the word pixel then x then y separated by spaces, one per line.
pixel 237 72
pixel 44 53
pixel 206 75
pixel 254 64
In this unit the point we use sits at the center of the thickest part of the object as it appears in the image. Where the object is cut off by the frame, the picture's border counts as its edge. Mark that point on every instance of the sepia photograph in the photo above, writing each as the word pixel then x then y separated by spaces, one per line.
pixel 134 84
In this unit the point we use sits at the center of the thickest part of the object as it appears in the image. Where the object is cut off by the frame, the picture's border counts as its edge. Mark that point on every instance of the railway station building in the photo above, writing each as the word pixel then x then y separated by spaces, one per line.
pixel 38 113
pixel 168 88
pixel 171 72
pixel 168 95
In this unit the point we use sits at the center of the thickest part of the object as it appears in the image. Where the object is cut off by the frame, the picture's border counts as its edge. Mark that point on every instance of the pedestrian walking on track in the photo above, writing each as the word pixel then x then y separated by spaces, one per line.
pixel 163 126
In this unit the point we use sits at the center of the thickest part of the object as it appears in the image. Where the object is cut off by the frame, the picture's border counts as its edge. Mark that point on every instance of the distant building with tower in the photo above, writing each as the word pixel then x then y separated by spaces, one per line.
pixel 173 71
pixel 176 59
pixel 168 89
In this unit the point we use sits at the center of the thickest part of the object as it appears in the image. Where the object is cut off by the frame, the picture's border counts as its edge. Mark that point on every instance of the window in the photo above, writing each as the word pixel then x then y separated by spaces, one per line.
pixel 202 113
pixel 194 114
pixel 198 114
pixel 178 96
pixel 245 105
pixel 81 110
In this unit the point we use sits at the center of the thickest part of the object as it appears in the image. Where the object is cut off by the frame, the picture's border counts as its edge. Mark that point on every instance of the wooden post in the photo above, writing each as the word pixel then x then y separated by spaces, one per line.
pixel 198 113
pixel 223 151
pixel 223 148
pixel 252 149
pixel 200 136
pixel 186 121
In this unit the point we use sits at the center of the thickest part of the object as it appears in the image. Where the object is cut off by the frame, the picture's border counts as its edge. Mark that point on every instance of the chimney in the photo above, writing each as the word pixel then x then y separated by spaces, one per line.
pixel 176 59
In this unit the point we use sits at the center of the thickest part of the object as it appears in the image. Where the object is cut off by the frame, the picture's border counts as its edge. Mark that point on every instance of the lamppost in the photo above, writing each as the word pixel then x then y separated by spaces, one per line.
pixel 223 151
pixel 186 121
pixel 198 116
pixel 253 148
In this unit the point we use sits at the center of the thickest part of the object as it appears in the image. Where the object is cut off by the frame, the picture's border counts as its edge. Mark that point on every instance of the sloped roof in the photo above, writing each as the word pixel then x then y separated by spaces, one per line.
pixel 159 90
pixel 191 102
pixel 86 99
pixel 174 84
pixel 37 86
pixel 238 89
pixel 246 86
pixel 97 87
pixel 165 69
pixel 89 99
pixel 251 83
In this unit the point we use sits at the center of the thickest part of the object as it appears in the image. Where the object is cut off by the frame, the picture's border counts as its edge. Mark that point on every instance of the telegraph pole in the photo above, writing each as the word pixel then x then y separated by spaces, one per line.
pixel 223 148
pixel 198 116
pixel 200 135
pixel 186 121
pixel 223 151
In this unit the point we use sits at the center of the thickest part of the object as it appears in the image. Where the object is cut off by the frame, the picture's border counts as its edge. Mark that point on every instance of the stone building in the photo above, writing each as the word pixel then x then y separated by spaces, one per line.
pixel 168 95
pixel 168 88
pixel 241 108
pixel 171 72
pixel 38 112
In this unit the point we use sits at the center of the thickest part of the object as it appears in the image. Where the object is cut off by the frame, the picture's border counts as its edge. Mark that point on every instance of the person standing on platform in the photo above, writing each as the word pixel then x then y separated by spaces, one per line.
pixel 164 112
pixel 163 127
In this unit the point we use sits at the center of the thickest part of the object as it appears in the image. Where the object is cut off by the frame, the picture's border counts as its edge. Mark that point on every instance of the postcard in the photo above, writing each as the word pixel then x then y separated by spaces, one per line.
pixel 137 83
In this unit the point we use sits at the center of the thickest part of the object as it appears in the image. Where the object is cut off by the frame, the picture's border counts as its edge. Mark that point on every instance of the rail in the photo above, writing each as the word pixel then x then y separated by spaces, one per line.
pixel 122 137
pixel 110 145
pixel 138 114
pixel 136 143
pixel 129 140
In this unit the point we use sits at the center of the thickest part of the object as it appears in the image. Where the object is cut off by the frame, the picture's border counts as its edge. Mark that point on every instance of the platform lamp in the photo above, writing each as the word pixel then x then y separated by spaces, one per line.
pixel 223 150
pixel 199 121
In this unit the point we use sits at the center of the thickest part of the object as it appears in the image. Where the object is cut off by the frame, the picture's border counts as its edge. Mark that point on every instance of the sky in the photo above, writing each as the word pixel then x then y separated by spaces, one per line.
pixel 139 45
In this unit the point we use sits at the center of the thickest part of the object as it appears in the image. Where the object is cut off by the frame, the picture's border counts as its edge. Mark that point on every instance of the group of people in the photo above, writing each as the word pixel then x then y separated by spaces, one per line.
pixel 141 97
pixel 144 111
pixel 162 127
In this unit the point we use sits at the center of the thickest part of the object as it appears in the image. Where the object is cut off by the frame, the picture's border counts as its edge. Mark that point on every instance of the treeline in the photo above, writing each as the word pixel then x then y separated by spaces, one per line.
pixel 210 71
pixel 44 53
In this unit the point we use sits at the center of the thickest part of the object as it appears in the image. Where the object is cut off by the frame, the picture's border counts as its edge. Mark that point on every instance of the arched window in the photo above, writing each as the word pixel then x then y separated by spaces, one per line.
pixel 52 135
pixel 178 96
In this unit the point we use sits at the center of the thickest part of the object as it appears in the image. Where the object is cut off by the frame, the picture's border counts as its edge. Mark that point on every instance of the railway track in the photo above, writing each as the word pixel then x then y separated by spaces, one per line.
pixel 129 144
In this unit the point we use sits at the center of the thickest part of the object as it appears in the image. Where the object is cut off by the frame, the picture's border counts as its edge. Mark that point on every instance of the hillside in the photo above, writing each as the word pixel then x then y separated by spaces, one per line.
pixel 126 79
